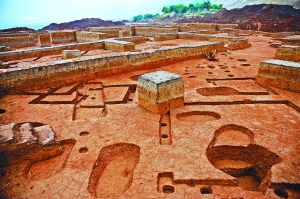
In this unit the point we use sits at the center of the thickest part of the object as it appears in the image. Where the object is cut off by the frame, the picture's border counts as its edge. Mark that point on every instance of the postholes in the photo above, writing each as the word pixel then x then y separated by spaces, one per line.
pixel 112 172
pixel 198 116
pixel 165 182
pixel 205 190
pixel 242 60
pixel 84 133
pixel 245 65
pixel 83 150
pixel 165 130
pixel 2 111
pixel 250 164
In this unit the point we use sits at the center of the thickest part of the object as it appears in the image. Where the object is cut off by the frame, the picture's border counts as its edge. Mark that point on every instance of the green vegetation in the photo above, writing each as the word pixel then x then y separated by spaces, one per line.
pixel 183 11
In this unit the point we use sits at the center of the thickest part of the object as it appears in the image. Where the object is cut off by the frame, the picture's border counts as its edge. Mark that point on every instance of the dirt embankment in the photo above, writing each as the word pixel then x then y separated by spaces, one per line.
pixel 264 17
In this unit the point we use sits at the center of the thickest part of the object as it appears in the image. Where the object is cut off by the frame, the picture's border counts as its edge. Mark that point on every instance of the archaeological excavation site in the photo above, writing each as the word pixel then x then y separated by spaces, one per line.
pixel 152 110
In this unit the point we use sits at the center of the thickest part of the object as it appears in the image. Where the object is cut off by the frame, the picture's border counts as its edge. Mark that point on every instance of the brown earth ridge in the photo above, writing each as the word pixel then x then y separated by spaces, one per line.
pixel 263 17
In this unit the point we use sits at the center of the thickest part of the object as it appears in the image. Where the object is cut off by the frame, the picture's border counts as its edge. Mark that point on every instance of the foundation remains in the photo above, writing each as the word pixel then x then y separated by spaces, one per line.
pixel 44 40
pixel 124 127
pixel 68 54
pixel 287 52
pixel 160 91
pixel 280 74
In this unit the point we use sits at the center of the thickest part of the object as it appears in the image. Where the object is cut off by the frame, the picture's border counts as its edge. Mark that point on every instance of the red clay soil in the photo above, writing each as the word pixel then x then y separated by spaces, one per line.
pixel 239 142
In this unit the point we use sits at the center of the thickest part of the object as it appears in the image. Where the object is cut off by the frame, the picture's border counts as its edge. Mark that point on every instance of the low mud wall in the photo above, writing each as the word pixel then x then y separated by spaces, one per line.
pixel 291 41
pixel 18 42
pixel 133 39
pixel 282 34
pixel 222 26
pixel 202 26
pixel 287 52
pixel 238 44
pixel 54 50
pixel 280 74
pixel 193 36
pixel 150 31
pixel 111 32
pixel 63 37
pixel 120 46
pixel 86 68
pixel 208 32
pixel 165 36
pixel 84 36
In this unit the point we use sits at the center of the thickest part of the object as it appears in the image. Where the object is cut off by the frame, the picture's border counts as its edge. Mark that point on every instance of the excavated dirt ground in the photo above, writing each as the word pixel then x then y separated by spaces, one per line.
pixel 232 139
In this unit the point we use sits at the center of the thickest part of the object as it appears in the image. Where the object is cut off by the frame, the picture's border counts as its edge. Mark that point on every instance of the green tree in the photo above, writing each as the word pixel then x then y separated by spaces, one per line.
pixel 166 9
pixel 137 18
pixel 207 4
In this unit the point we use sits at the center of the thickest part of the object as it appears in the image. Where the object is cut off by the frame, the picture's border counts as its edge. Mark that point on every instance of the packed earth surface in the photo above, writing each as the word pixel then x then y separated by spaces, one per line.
pixel 89 137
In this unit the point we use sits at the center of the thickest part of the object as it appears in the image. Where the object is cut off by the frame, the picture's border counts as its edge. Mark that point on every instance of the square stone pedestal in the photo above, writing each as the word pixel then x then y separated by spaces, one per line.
pixel 160 91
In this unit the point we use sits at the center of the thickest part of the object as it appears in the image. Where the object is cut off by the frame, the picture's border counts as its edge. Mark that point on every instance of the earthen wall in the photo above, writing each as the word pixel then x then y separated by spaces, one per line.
pixel 18 42
pixel 84 36
pixel 84 68
pixel 238 44
pixel 133 39
pixel 165 36
pixel 150 31
pixel 280 74
pixel 63 37
pixel 54 50
pixel 120 46
pixel 287 52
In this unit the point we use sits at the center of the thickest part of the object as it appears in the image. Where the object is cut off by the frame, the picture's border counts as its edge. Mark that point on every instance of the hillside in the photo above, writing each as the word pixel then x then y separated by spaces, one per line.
pixel 231 4
pixel 264 17
pixel 81 24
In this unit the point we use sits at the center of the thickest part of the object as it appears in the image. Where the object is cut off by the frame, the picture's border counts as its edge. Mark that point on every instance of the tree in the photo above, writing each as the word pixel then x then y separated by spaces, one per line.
pixel 166 9
pixel 207 4
pixel 137 18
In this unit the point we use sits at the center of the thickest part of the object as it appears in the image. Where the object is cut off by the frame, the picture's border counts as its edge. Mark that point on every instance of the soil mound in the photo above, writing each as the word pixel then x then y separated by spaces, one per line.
pixel 82 24
pixel 264 17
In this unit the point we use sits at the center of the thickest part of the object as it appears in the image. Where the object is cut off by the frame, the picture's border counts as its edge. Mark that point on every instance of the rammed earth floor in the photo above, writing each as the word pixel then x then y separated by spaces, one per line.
pixel 233 138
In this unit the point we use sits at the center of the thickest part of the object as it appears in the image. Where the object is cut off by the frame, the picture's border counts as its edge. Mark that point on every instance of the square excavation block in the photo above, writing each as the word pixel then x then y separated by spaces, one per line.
pixel 68 54
pixel 280 74
pixel 287 52
pixel 160 91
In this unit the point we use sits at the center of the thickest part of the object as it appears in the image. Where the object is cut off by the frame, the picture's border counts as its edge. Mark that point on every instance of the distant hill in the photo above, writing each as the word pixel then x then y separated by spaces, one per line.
pixel 264 17
pixel 231 4
pixel 18 29
pixel 82 24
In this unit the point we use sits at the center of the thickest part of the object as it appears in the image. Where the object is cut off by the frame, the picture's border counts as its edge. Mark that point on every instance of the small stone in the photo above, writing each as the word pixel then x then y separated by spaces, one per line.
pixel 6 133
pixel 45 134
